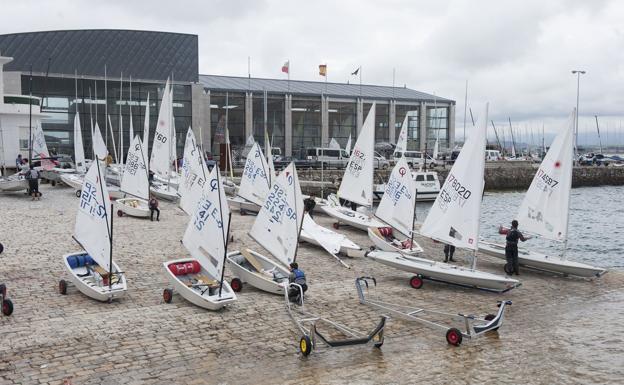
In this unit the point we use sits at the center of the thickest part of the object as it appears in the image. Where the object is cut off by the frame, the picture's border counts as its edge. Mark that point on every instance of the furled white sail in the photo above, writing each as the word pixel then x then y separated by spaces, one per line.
pixel 99 147
pixel 254 184
pixel 397 204
pixel 454 216
pixel 329 240
pixel 40 148
pixel 79 156
pixel 333 143
pixel 348 146
pixel 250 141
pixel 92 229
pixel 269 155
pixel 401 144
pixel 174 136
pixel 134 180
pixel 206 234
pixel 131 130
pixel 544 210
pixel 160 161
pixel 357 182
pixel 194 174
pixel 435 149
pixel 277 225
pixel 146 128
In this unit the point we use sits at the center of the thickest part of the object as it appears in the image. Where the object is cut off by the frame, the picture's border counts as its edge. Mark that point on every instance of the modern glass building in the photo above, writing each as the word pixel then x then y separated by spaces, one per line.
pixel 108 75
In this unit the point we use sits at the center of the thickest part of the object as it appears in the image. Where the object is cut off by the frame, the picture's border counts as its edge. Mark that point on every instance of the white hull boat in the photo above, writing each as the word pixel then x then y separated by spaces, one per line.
pixel 197 285
pixel 115 193
pixel 352 218
pixel 381 242
pixel 74 181
pixel 253 268
pixel 242 205
pixel 92 281
pixel 55 174
pixel 174 181
pixel 427 185
pixel 347 246
pixel 437 271
pixel 168 193
pixel 13 183
pixel 135 207
pixel 544 262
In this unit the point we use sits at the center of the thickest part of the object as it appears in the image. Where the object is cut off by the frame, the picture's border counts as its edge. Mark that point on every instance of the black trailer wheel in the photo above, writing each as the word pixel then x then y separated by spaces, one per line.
pixel 305 346
pixel 7 307
pixel 509 269
pixel 119 213
pixel 336 225
pixel 417 282
pixel 454 337
pixel 78 193
pixel 62 286
pixel 236 284
pixel 168 295
pixel 3 290
pixel 1 248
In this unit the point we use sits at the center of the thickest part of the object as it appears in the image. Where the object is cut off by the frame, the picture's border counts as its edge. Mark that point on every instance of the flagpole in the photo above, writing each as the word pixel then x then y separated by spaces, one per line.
pixel 288 75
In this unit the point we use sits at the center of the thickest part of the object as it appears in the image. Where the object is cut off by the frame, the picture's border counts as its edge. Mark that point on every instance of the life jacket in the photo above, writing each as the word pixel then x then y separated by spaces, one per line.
pixel 298 274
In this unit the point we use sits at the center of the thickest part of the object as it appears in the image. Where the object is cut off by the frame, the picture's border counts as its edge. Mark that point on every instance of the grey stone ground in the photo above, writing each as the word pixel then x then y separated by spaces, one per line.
pixel 559 330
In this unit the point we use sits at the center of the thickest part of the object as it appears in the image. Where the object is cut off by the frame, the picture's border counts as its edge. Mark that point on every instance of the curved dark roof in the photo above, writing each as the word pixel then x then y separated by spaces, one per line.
pixel 140 54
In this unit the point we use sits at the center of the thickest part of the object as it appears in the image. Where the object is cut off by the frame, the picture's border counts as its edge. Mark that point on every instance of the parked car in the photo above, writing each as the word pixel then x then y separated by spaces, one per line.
pixel 381 161
pixel 327 157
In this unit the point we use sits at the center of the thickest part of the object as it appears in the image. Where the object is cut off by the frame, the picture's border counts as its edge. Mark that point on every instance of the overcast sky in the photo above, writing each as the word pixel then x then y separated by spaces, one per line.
pixel 515 54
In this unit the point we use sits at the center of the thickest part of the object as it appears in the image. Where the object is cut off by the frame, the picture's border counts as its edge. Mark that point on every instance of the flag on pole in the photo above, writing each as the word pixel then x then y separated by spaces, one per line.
pixel 356 71
pixel 323 69
pixel 286 67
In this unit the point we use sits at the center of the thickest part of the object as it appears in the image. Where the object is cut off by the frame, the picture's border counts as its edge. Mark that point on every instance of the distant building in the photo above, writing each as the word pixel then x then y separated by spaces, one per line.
pixel 299 114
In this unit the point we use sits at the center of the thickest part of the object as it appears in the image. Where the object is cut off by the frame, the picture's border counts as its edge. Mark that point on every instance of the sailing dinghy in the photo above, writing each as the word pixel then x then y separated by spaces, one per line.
pixel 331 241
pixel 255 183
pixel 134 182
pixel 193 174
pixel 93 271
pixel 454 219
pixel 545 210
pixel 357 182
pixel 277 229
pixel 398 210
pixel 199 278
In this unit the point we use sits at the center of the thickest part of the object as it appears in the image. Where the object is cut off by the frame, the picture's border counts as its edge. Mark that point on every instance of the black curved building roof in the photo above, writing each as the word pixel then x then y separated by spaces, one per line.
pixel 140 54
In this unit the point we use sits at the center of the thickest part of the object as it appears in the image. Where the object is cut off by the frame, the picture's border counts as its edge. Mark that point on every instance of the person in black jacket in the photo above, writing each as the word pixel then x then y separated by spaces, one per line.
pixel 511 247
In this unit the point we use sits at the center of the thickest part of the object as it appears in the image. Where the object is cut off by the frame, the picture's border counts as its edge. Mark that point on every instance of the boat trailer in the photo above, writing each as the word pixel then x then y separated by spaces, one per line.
pixel 307 324
pixel 474 326
pixel 5 303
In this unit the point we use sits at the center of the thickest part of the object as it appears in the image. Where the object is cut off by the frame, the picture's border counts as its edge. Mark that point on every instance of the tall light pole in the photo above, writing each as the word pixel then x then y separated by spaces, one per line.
pixel 578 74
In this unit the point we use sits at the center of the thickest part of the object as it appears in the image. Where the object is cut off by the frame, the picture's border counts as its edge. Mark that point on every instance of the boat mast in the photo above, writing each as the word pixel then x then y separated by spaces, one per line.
pixel 226 236
pixel 120 121
pixel 598 129
pixel 300 226
pixel 413 218
pixel 109 226
pixel 569 187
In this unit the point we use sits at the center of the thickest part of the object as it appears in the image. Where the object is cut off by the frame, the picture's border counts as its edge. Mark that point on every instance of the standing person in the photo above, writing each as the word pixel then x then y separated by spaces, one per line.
pixel 153 206
pixel 449 250
pixel 511 247
pixel 308 205
pixel 296 276
pixel 18 162
pixel 33 182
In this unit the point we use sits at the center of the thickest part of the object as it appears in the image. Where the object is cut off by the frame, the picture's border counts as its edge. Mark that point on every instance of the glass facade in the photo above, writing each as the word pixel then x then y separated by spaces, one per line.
pixel 227 108
pixel 306 124
pixel 382 120
pixel 413 130
pixel 343 122
pixel 59 102
pixel 275 119
pixel 437 127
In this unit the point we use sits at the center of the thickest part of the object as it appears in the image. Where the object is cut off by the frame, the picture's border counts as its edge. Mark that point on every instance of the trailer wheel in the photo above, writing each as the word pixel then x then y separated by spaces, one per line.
pixel 335 225
pixel 454 337
pixel 62 286
pixel 119 213
pixel 416 282
pixel 305 346
pixel 3 290
pixel 508 269
pixel 1 248
pixel 168 295
pixel 372 248
pixel 78 193
pixel 7 307
pixel 236 284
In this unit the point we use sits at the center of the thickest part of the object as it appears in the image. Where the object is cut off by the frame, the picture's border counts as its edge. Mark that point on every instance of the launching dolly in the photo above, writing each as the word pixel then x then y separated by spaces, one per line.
pixel 474 326
pixel 7 305
pixel 307 323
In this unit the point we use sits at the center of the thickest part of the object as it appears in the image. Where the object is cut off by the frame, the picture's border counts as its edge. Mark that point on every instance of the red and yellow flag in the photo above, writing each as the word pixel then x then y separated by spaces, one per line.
pixel 323 69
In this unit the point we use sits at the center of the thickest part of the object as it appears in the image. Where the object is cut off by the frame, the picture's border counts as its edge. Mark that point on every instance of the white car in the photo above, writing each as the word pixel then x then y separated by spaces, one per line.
pixel 381 161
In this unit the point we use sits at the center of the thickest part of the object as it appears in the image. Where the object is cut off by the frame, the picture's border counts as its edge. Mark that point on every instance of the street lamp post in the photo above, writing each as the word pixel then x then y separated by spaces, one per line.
pixel 578 74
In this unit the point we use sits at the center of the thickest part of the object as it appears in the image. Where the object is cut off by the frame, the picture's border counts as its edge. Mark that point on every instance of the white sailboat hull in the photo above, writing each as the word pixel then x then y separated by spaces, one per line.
pixel 352 218
pixel 383 245
pixel 134 207
pixel 544 262
pixel 194 295
pixel 115 193
pixel 346 245
pixel 88 285
pixel 262 280
pixel 74 181
pixel 13 184
pixel 445 272
pixel 242 204
pixel 165 192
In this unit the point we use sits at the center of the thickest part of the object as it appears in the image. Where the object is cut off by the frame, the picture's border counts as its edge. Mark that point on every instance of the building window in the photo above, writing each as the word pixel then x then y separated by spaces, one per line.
pixel 413 131
pixel 437 127
pixel 275 119
pixel 382 120
pixel 343 122
pixel 306 124
pixel 228 110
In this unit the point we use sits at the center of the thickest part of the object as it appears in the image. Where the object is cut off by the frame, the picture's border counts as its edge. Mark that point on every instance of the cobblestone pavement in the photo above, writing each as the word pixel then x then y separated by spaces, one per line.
pixel 559 330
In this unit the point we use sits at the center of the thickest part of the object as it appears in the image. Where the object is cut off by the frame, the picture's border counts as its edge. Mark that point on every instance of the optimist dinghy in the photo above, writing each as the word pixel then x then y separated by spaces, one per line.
pixel 545 211
pixel 454 219
pixel 334 243
pixel 193 175
pixel 398 209
pixel 199 278
pixel 255 183
pixel 134 182
pixel 93 271
pixel 13 183
pixel 277 229
pixel 357 182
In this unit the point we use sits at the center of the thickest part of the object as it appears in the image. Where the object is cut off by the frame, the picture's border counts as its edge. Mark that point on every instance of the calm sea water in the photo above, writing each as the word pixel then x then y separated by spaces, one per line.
pixel 596 224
